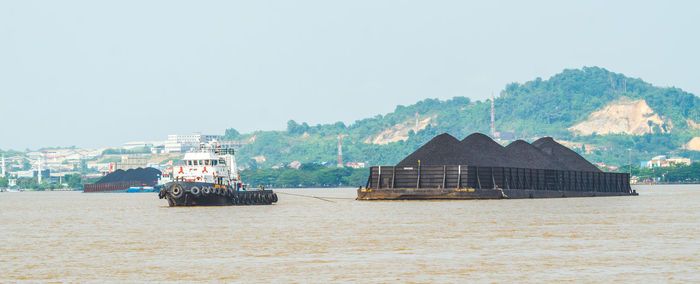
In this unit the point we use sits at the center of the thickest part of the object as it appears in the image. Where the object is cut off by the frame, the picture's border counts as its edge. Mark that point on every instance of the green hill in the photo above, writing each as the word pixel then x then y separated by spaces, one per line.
pixel 622 112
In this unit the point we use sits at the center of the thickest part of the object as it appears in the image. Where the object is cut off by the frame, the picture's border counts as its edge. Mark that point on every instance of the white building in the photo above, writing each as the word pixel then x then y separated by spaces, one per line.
pixel 356 165
pixel 679 161
pixel 183 143
pixel 132 162
pixel 100 167
pixel 662 161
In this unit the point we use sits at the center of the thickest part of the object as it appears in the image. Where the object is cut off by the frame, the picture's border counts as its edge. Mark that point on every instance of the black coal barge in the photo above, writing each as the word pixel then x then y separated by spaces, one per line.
pixel 208 177
pixel 479 168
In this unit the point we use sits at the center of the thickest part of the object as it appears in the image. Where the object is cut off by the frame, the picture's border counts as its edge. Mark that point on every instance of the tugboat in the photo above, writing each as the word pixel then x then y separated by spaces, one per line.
pixel 208 177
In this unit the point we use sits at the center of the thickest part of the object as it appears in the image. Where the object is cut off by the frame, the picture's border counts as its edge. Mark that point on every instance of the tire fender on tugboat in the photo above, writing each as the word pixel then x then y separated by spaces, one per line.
pixel 176 191
pixel 195 191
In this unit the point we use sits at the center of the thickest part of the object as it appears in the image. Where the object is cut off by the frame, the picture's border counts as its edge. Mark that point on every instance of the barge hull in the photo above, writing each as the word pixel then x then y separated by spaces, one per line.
pixel 467 194
pixel 119 186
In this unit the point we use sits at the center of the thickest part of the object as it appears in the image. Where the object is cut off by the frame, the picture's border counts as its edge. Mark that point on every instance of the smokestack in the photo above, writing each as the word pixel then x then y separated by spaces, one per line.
pixel 340 151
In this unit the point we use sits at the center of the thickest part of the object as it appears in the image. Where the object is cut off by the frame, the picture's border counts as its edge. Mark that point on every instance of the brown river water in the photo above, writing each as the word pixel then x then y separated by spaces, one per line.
pixel 135 237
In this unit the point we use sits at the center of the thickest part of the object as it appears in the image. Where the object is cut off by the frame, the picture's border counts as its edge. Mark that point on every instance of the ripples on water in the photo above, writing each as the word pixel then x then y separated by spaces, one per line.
pixel 71 236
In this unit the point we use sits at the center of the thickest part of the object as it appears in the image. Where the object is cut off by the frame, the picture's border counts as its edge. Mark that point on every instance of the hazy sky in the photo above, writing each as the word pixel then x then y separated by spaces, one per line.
pixel 101 73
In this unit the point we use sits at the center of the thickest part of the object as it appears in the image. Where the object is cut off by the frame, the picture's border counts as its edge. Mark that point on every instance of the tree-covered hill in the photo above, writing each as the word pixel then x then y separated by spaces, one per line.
pixel 529 110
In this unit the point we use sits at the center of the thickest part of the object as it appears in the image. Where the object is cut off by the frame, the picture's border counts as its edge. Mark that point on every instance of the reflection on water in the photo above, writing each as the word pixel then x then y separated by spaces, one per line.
pixel 70 236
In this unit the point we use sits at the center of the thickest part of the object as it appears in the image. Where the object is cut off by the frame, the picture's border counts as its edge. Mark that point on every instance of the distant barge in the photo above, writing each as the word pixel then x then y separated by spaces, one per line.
pixel 132 180
pixel 470 182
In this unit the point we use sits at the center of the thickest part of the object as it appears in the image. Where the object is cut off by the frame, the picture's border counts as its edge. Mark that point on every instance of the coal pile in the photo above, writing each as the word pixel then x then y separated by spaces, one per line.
pixel 444 149
pixel 145 175
pixel 565 156
pixel 480 150
pixel 524 155
pixel 483 151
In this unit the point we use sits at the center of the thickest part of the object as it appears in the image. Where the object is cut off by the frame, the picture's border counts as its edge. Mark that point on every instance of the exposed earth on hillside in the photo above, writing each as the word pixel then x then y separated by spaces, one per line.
pixel 693 144
pixel 624 116
pixel 399 132
pixel 692 124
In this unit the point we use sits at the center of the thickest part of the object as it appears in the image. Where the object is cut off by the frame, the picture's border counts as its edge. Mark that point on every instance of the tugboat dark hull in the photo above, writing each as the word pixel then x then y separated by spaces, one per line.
pixel 181 193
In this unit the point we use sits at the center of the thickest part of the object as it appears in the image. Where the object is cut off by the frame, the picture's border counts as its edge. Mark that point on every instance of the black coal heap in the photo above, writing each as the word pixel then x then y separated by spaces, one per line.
pixel 524 155
pixel 565 156
pixel 480 150
pixel 483 151
pixel 148 175
pixel 443 149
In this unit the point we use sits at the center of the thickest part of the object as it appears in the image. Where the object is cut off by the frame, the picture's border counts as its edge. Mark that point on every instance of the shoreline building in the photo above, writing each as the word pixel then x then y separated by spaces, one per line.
pixel 132 162
pixel 183 143
pixel 662 161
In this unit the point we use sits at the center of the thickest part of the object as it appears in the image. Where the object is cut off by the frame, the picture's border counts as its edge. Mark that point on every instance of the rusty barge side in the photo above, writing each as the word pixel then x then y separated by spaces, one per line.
pixel 469 182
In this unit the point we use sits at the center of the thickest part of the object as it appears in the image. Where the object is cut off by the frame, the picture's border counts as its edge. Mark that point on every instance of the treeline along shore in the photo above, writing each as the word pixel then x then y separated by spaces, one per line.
pixel 308 175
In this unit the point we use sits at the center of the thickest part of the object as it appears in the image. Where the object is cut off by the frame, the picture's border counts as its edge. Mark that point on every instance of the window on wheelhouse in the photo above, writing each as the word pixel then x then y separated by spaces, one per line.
pixel 222 162
pixel 189 163
pixel 206 162
pixel 213 162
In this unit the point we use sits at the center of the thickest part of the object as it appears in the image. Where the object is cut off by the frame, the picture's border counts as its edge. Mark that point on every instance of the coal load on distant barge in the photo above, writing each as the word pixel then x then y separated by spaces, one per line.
pixel 209 177
pixel 141 179
pixel 480 168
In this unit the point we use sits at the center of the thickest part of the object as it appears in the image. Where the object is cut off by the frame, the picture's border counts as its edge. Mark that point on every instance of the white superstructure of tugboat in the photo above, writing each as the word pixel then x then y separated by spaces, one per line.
pixel 209 177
